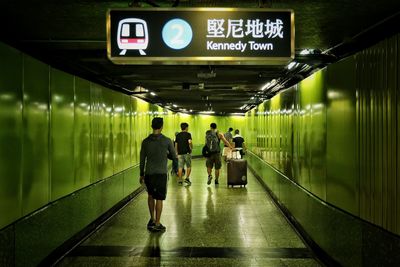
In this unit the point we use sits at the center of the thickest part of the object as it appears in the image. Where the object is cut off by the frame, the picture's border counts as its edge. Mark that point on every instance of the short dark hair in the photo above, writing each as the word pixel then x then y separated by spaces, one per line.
pixel 237 131
pixel 230 129
pixel 213 125
pixel 184 125
pixel 157 123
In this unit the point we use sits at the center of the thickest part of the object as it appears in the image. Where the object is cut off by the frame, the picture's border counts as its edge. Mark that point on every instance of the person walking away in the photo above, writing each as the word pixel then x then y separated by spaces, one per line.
pixel 228 136
pixel 153 171
pixel 213 138
pixel 183 147
pixel 239 143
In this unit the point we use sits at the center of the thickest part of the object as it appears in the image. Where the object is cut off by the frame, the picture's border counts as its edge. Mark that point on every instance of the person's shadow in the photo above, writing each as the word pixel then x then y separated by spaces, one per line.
pixel 152 250
pixel 188 205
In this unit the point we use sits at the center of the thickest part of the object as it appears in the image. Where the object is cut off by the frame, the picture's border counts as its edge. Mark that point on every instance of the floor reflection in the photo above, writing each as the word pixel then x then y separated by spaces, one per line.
pixel 207 225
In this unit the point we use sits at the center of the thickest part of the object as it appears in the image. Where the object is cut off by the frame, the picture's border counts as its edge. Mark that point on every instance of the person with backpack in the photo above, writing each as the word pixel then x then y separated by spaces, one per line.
pixel 213 138
pixel 184 146
pixel 227 150
pixel 153 171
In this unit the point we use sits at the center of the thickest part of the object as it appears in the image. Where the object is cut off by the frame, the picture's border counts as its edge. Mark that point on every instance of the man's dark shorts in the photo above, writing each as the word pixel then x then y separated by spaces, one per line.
pixel 156 185
pixel 214 159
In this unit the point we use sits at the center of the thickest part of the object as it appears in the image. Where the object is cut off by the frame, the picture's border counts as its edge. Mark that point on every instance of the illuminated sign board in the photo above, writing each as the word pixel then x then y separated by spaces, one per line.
pixel 200 36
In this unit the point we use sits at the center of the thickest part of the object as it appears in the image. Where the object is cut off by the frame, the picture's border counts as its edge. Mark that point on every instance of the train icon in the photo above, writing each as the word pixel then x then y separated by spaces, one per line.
pixel 132 35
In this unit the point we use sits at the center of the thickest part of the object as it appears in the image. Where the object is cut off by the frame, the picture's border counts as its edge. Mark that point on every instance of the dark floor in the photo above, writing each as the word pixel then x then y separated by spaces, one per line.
pixel 206 226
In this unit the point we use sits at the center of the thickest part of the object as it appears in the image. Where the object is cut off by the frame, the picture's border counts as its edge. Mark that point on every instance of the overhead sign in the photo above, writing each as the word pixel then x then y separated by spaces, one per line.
pixel 200 36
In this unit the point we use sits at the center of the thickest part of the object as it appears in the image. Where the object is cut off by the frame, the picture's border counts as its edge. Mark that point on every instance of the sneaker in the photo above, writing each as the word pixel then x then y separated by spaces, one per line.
pixel 188 181
pixel 209 179
pixel 159 228
pixel 216 181
pixel 151 224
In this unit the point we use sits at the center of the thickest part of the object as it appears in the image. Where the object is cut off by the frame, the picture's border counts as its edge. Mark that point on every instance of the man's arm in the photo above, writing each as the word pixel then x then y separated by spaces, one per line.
pixel 142 162
pixel 222 137
pixel 171 150
pixel 190 143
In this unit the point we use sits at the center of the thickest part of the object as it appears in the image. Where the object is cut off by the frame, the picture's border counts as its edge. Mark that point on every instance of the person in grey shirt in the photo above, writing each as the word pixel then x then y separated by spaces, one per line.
pixel 227 150
pixel 154 153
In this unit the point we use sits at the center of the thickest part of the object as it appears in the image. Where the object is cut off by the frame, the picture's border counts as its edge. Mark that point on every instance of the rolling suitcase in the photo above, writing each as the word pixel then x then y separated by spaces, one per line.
pixel 237 172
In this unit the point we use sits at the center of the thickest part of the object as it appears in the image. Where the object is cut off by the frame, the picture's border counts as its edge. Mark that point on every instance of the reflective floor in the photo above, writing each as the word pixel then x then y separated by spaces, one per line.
pixel 206 226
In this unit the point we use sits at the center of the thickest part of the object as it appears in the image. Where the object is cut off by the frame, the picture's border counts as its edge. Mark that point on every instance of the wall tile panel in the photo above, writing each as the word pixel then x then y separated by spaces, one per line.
pixel 36 178
pixel 11 134
pixel 342 177
pixel 62 133
pixel 82 130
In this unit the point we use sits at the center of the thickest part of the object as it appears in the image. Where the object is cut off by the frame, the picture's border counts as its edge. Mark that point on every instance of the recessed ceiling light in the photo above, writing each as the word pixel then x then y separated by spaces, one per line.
pixel 305 52
pixel 291 65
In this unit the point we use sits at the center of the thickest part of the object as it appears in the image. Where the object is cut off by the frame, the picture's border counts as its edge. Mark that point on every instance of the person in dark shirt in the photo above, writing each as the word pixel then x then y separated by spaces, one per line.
pixel 239 143
pixel 183 147
pixel 153 171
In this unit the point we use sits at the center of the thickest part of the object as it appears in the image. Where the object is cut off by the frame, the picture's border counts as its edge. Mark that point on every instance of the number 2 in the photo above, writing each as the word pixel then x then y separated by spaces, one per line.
pixel 177 39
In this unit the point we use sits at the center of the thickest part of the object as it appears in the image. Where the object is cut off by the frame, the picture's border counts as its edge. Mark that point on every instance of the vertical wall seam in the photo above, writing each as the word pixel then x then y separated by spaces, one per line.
pixel 50 143
pixel 73 131
pixel 22 107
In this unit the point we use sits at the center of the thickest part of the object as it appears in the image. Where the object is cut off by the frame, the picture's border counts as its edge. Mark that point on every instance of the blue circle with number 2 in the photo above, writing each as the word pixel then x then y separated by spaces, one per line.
pixel 177 33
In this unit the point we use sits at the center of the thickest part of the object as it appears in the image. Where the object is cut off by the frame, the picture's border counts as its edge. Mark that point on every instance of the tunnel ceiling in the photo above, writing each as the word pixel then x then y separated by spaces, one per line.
pixel 71 35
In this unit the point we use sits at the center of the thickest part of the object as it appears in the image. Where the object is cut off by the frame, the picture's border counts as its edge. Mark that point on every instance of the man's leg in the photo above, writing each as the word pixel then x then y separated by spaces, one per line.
pixel 161 193
pixel 209 170
pixel 210 165
pixel 180 168
pixel 180 175
pixel 159 207
pixel 158 227
pixel 216 174
pixel 188 162
pixel 151 204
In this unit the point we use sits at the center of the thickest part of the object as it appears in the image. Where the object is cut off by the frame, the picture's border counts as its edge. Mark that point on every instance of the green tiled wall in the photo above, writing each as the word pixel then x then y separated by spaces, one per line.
pixel 349 240
pixel 60 133
pixel 35 168
pixel 331 143
pixel 69 151
pixel 38 235
pixel 11 135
